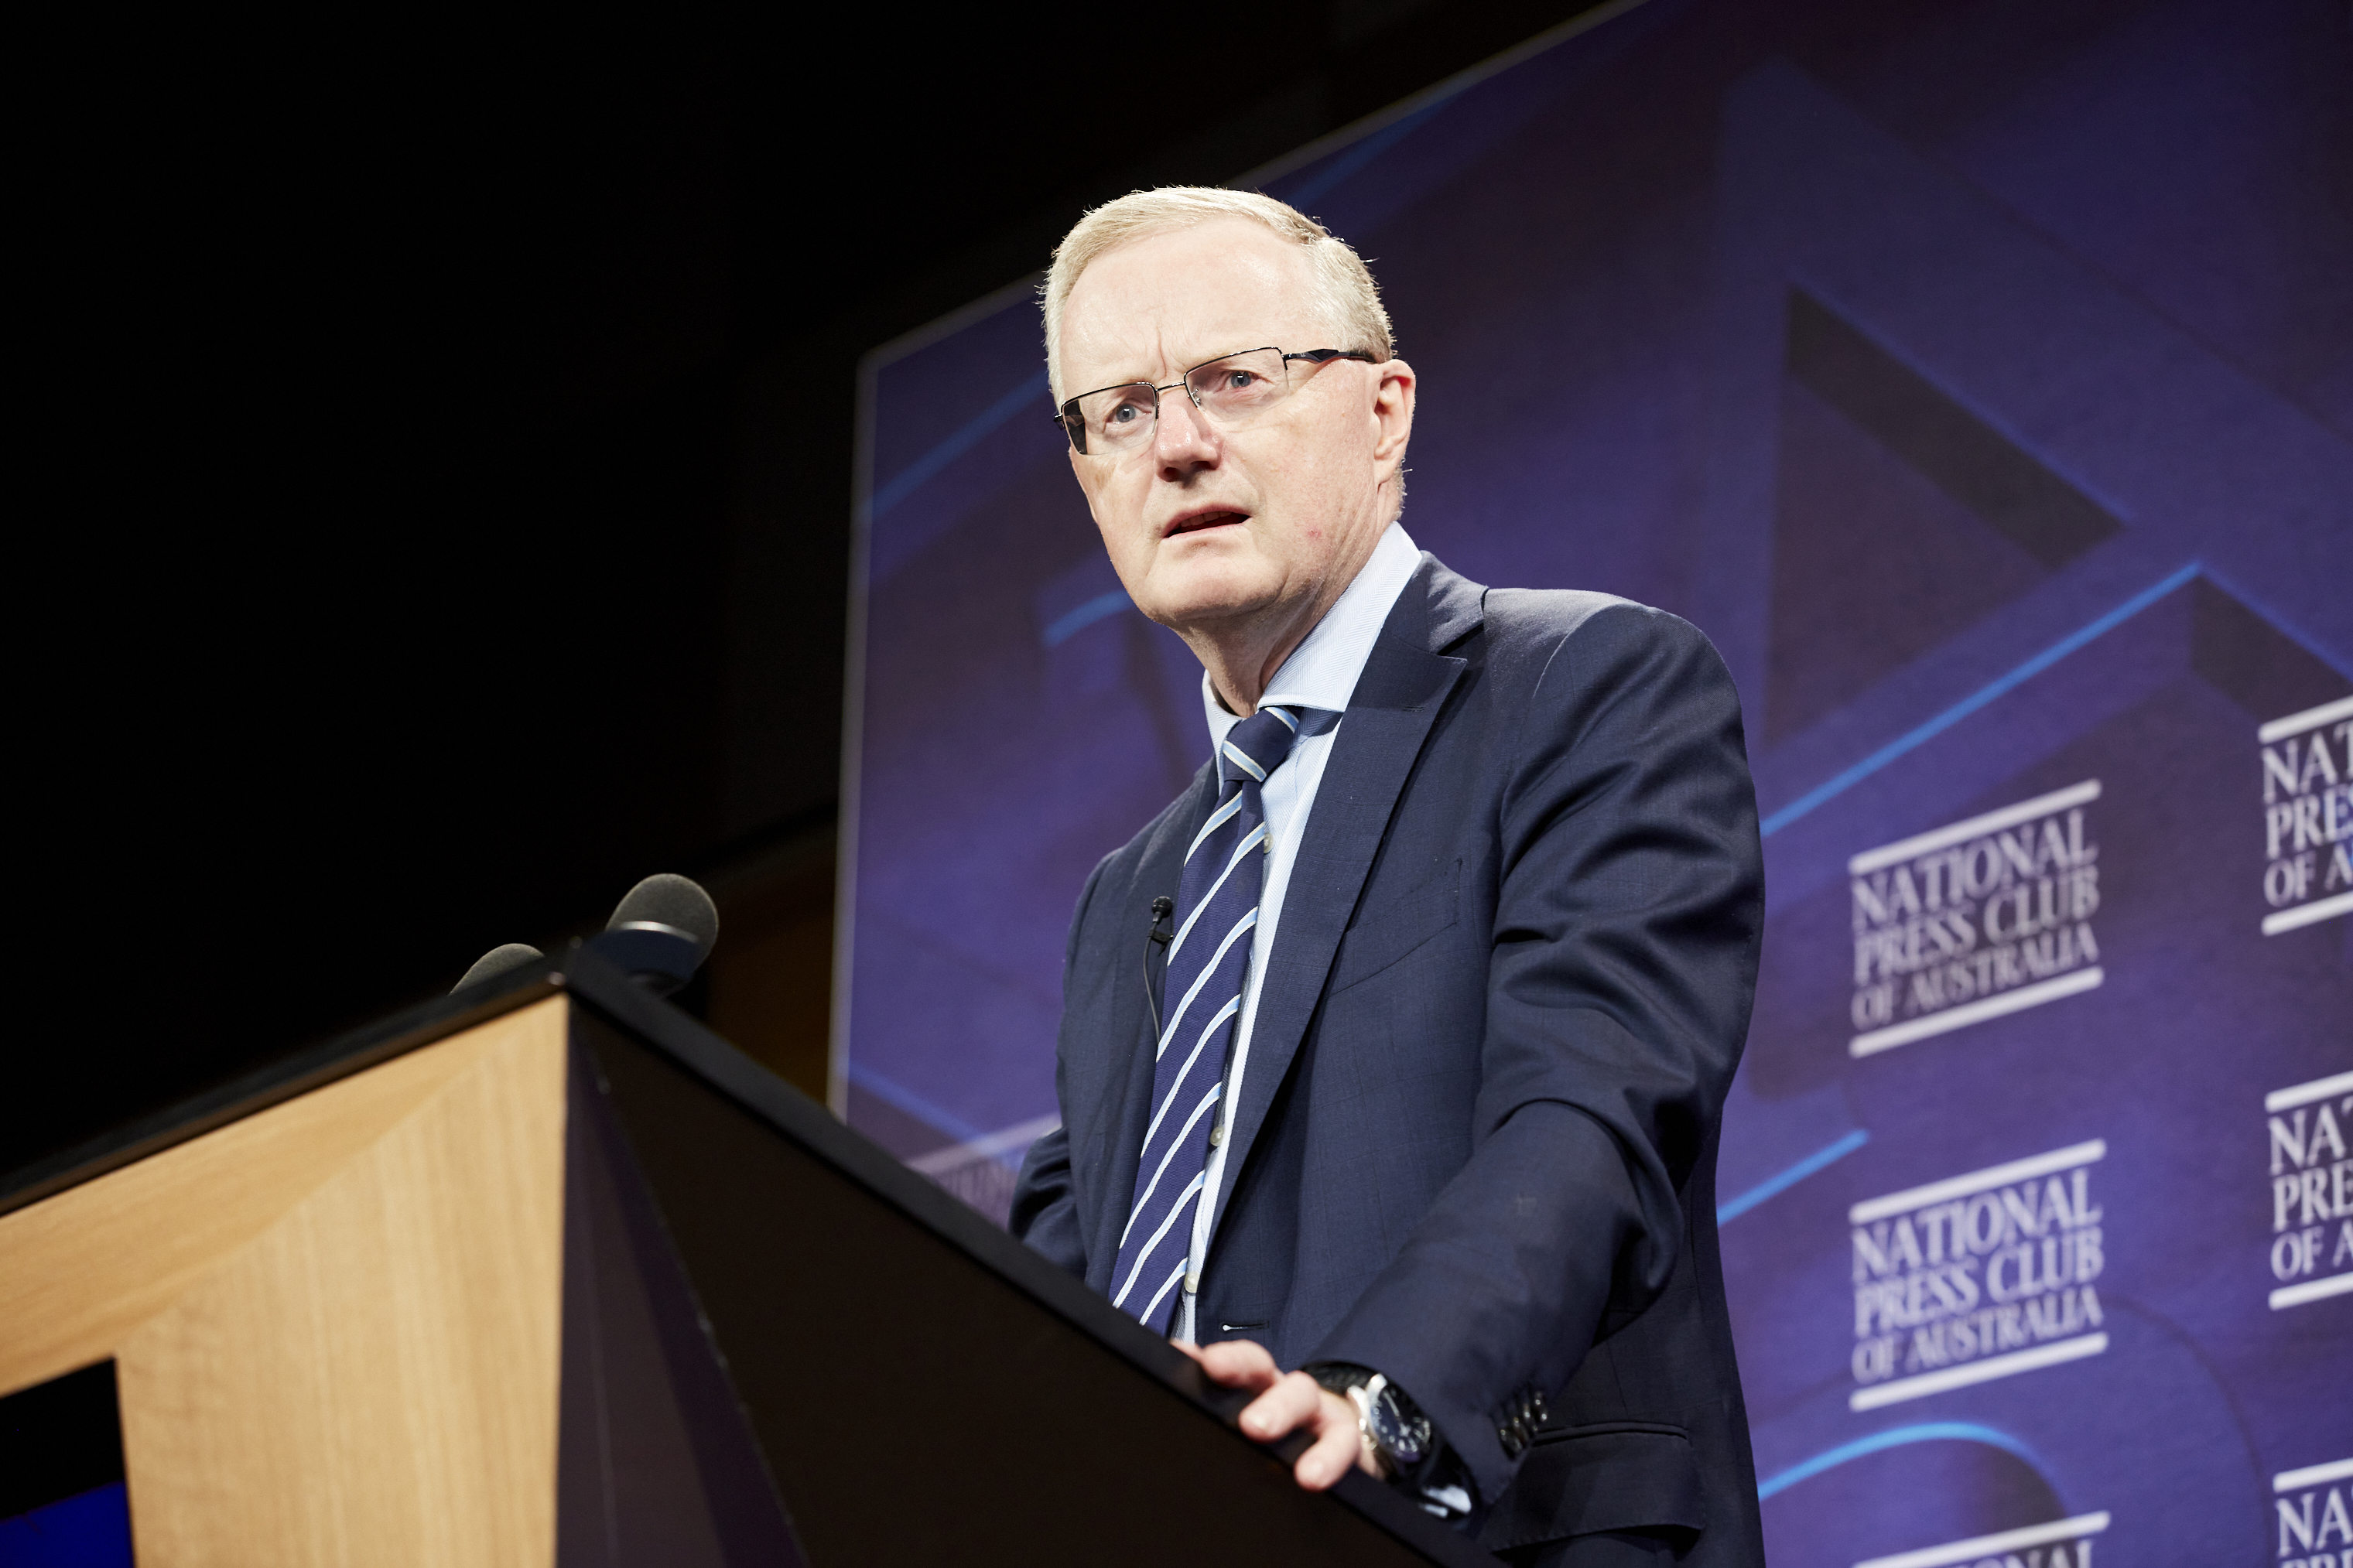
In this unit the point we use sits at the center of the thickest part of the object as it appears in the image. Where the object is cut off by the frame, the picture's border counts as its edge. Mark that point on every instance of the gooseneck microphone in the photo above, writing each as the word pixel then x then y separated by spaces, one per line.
pixel 500 960
pixel 660 932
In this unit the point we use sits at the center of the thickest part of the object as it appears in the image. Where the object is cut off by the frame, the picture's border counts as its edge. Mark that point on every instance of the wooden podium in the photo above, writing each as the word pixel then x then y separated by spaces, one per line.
pixel 547 1273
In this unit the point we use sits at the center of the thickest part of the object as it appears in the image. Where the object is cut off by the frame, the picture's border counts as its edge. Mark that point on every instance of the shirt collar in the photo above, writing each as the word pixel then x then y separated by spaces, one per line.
pixel 1323 670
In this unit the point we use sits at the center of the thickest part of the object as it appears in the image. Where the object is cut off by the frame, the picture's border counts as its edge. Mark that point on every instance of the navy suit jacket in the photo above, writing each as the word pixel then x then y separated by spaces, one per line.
pixel 1475 1145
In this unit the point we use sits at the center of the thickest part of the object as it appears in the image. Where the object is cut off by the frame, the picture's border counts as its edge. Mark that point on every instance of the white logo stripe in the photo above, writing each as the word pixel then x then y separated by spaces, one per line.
pixel 2313 1475
pixel 1257 836
pixel 2006 1544
pixel 1217 820
pixel 2297 1094
pixel 1245 761
pixel 1157 1236
pixel 1208 969
pixel 1173 1144
pixel 1284 714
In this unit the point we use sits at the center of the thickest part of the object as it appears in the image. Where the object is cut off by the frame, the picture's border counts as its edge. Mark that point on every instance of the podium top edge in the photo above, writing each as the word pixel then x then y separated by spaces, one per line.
pixel 294 1076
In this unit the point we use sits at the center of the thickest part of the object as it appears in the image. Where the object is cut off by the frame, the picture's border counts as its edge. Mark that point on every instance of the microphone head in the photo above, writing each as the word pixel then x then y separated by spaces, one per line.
pixel 497 961
pixel 660 932
pixel 667 899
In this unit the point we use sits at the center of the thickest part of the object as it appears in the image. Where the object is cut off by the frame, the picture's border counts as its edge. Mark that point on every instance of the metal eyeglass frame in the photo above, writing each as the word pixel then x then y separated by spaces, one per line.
pixel 1067 416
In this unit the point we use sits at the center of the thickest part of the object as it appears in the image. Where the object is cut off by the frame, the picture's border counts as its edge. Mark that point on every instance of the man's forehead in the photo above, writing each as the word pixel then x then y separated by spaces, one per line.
pixel 1141 309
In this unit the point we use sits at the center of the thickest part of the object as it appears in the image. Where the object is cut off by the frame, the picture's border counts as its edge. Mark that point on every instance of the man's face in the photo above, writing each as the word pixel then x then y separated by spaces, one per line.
pixel 1208 526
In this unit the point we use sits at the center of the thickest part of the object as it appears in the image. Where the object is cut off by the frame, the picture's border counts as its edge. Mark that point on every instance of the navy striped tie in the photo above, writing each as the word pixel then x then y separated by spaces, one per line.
pixel 1208 960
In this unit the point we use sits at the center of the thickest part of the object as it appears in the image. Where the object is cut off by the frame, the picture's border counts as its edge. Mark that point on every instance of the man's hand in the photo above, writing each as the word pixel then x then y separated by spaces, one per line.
pixel 1287 1403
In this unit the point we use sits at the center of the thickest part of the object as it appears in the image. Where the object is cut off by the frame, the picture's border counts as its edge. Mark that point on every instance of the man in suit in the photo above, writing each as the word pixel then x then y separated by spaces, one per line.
pixel 1393 1050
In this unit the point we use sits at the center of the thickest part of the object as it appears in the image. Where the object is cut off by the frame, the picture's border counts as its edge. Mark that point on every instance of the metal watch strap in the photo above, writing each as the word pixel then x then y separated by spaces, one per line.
pixel 1339 1376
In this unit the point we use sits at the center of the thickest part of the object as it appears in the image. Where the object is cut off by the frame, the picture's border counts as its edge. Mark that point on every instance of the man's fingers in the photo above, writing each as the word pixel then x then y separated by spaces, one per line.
pixel 1289 1403
pixel 1337 1446
pixel 1239 1364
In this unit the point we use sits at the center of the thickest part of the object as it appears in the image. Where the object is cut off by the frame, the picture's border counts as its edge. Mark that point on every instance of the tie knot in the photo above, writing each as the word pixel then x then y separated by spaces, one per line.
pixel 1256 747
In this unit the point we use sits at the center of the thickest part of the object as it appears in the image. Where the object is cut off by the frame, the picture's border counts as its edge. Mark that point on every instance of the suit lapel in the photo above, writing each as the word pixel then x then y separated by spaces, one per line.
pixel 1117 1122
pixel 1405 683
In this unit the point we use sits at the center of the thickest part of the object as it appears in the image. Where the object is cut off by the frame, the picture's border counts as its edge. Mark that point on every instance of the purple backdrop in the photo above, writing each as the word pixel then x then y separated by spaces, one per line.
pixel 1980 378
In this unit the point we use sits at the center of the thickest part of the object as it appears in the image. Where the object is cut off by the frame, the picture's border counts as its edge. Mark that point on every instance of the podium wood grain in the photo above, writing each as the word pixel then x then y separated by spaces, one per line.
pixel 336 1323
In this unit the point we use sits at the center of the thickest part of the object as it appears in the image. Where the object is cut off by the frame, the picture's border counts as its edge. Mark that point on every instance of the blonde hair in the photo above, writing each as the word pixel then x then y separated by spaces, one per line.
pixel 1351 299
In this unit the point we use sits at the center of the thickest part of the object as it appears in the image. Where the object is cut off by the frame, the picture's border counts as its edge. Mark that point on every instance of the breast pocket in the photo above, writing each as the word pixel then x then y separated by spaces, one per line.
pixel 1396 926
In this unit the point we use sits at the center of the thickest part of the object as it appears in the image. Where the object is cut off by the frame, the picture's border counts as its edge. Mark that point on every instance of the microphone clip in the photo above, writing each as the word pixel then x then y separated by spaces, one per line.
pixel 1163 906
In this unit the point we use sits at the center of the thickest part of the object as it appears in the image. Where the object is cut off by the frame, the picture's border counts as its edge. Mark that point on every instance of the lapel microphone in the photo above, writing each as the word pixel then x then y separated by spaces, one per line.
pixel 1162 908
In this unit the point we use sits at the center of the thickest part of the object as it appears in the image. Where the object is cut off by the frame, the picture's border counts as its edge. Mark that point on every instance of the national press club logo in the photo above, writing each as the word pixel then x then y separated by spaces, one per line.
pixel 1977 1277
pixel 1975 921
pixel 2308 765
pixel 2312 1517
pixel 2311 1190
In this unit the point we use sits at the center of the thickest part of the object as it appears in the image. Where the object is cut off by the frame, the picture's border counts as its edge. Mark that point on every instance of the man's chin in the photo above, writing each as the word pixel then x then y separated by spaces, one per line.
pixel 1204 593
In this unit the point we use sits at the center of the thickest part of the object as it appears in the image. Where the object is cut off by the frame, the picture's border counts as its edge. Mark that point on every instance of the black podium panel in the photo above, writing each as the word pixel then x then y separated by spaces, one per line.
pixel 656 1460
pixel 923 1388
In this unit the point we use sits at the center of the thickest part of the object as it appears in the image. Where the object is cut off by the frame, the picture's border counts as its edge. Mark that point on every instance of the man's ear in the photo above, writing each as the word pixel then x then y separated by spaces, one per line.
pixel 1393 398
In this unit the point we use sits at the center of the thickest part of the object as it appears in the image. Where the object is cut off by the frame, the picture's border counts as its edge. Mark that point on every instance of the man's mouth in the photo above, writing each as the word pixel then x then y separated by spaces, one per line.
pixel 1195 522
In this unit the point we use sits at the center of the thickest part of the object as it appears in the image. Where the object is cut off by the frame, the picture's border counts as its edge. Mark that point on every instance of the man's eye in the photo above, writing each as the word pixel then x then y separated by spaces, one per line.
pixel 1122 415
pixel 1240 380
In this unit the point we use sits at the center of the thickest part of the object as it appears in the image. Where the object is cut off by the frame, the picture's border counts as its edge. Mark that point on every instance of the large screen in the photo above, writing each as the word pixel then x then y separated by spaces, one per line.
pixel 1979 378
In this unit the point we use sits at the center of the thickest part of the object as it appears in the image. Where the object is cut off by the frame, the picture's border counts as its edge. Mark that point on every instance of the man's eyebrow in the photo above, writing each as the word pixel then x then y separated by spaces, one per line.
pixel 1185 366
pixel 1144 374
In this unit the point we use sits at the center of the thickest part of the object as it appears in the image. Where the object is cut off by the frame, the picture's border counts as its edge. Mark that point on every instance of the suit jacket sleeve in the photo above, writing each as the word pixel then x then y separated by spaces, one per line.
pixel 1628 913
pixel 1045 1211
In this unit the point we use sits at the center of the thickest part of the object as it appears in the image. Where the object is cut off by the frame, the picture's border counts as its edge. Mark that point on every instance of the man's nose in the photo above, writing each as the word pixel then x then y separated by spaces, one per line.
pixel 1183 439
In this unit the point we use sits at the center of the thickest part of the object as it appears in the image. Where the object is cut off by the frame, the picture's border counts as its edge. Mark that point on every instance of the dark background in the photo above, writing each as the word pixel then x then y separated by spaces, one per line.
pixel 440 434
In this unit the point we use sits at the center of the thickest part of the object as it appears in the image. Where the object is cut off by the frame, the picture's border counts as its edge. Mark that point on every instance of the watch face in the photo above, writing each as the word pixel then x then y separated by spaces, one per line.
pixel 1392 1431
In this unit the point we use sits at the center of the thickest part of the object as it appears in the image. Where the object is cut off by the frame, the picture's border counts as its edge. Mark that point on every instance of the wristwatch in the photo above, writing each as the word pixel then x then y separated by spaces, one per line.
pixel 1394 1431
pixel 1398 1433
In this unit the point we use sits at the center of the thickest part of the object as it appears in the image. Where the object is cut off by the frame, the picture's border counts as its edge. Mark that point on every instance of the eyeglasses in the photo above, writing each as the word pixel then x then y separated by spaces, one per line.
pixel 1231 391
